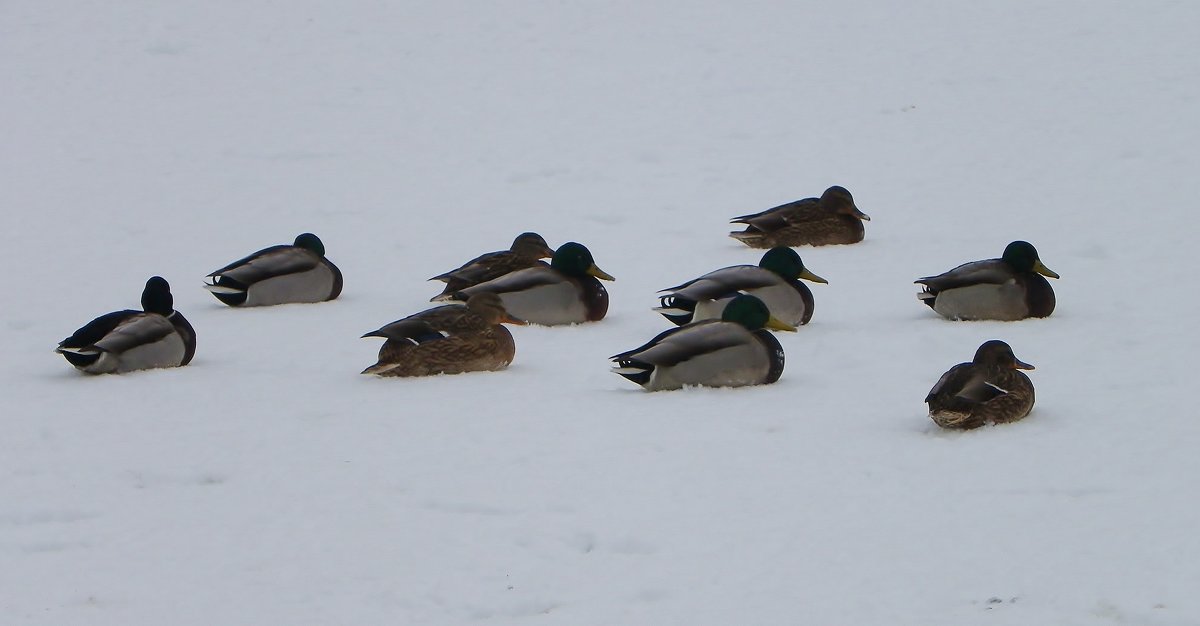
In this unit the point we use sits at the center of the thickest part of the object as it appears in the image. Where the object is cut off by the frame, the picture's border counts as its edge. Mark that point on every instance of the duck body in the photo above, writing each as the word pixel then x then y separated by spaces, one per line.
pixel 706 297
pixel 449 339
pixel 526 251
pixel 487 351
pixel 775 281
pixel 831 219
pixel 281 274
pixel 565 292
pixel 988 390
pixel 727 352
pixel 1010 288
pixel 126 341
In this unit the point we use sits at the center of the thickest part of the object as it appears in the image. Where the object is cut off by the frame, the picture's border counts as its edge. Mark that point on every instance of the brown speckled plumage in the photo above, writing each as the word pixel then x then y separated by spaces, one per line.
pixel 831 219
pixel 988 390
pixel 526 250
pixel 448 339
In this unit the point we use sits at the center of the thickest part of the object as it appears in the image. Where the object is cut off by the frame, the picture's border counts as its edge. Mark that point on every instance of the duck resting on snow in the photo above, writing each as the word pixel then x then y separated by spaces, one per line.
pixel 831 219
pixel 1008 288
pixel 775 281
pixel 988 390
pixel 124 341
pixel 733 351
pixel 526 251
pixel 279 275
pixel 449 339
pixel 564 292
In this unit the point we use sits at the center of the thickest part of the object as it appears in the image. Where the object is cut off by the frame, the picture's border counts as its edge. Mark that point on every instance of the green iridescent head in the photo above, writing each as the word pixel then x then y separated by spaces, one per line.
pixel 785 262
pixel 574 259
pixel 1023 257
pixel 752 313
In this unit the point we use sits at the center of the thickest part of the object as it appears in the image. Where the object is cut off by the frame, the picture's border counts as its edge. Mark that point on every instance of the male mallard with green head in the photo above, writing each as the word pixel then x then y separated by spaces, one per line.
pixel 1008 288
pixel 449 339
pixel 988 390
pixel 124 341
pixel 734 351
pixel 279 275
pixel 564 292
pixel 775 281
pixel 526 251
pixel 831 219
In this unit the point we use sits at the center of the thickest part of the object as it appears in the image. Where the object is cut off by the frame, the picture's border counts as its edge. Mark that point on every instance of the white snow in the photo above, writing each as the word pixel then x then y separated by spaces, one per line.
pixel 269 483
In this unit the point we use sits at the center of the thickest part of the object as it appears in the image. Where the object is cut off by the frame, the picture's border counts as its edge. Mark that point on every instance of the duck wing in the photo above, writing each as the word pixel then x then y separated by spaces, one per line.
pixel 991 271
pixel 141 329
pixel 474 265
pixel 649 344
pixel 430 324
pixel 95 330
pixel 268 262
pixel 979 389
pixel 780 216
pixel 483 272
pixel 519 280
pixel 726 282
pixel 951 382
pixel 680 344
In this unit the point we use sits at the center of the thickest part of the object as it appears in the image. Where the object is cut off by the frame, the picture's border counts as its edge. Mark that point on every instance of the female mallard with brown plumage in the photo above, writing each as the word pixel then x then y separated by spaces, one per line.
pixel 526 251
pixel 988 390
pixel 831 219
pixel 1006 289
pixel 449 339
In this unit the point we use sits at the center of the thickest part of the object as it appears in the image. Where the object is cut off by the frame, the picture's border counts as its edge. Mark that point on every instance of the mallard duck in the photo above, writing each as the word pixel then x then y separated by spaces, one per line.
pixel 831 219
pixel 526 250
pixel 1008 288
pixel 733 351
pixel 449 339
pixel 775 281
pixel 564 292
pixel 279 275
pixel 124 341
pixel 989 389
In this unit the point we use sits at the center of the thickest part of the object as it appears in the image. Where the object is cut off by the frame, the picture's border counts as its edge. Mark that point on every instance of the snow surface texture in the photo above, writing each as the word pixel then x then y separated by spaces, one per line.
pixel 269 483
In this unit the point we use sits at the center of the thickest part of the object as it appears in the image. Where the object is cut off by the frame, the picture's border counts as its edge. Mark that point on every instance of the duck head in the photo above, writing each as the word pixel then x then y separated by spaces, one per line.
pixel 309 241
pixel 785 262
pixel 156 297
pixel 838 200
pixel 574 259
pixel 999 355
pixel 752 313
pixel 531 245
pixel 1023 257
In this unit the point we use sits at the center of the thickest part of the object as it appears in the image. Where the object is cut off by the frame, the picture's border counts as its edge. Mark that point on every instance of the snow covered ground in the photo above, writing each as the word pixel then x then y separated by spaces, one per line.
pixel 269 483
